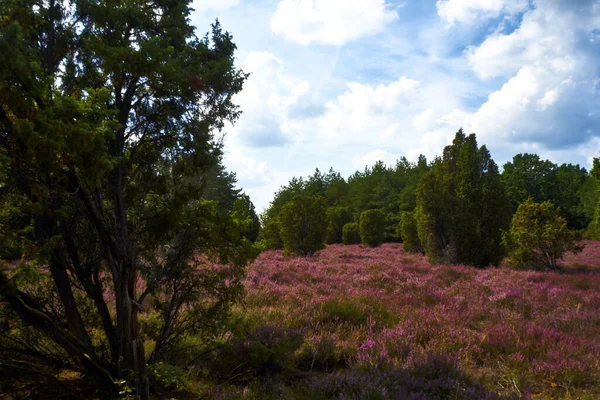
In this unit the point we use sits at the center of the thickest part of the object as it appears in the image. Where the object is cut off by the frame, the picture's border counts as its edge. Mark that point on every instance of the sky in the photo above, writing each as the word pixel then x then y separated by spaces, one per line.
pixel 344 83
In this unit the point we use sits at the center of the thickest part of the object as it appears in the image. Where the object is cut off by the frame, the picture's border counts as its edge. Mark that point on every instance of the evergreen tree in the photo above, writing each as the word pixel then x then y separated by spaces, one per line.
pixel 351 233
pixel 337 217
pixel 462 207
pixel 107 115
pixel 372 227
pixel 301 224
pixel 243 212
pixel 409 233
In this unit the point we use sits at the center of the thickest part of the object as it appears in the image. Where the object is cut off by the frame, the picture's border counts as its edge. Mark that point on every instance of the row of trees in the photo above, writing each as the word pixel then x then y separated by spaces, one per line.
pixel 455 209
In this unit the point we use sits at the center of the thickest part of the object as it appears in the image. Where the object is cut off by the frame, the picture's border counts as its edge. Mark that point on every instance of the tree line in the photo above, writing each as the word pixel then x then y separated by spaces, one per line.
pixel 454 208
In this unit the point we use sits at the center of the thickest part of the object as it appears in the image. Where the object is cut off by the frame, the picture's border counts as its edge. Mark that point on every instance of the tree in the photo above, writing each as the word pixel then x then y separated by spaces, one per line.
pixel 539 237
pixel 409 233
pixel 351 233
pixel 108 111
pixel 301 224
pixel 337 217
pixel 372 227
pixel 243 211
pixel 528 176
pixel 462 206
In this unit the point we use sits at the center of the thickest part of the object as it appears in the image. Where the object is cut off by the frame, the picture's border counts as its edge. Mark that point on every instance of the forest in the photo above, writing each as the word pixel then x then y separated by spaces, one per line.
pixel 133 267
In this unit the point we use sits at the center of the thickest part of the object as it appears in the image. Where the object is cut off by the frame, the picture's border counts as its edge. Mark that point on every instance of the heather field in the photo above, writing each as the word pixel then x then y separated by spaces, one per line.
pixel 359 323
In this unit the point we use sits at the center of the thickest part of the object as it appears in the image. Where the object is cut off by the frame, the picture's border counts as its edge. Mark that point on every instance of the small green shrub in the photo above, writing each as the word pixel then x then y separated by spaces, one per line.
pixel 408 232
pixel 351 233
pixel 301 225
pixel 372 227
pixel 539 237
pixel 337 217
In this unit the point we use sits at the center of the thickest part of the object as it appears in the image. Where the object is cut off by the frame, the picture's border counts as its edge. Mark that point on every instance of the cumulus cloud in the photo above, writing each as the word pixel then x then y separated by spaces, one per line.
pixel 551 64
pixel 213 5
pixel 364 112
pixel 332 22
pixel 466 11
pixel 270 94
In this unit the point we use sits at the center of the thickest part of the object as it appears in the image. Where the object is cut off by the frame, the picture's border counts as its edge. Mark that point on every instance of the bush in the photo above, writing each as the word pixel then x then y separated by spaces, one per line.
pixel 351 233
pixel 270 237
pixel 372 227
pixel 408 232
pixel 337 217
pixel 301 224
pixel 539 237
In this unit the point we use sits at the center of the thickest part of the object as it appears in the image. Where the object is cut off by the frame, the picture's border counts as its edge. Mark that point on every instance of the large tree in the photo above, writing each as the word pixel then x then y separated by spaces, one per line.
pixel 462 206
pixel 108 116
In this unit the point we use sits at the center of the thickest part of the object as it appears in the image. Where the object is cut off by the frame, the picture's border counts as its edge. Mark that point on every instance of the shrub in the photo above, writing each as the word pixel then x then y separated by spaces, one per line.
pixel 408 232
pixel 301 225
pixel 372 227
pixel 337 217
pixel 538 237
pixel 351 233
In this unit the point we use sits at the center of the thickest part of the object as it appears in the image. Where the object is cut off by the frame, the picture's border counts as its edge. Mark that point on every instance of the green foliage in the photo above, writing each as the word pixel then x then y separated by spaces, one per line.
pixel 337 217
pixel 539 237
pixel 243 212
pixel 270 237
pixel 110 170
pixel 462 206
pixel 301 224
pixel 593 230
pixel 372 227
pixel 351 233
pixel 529 176
pixel 389 188
pixel 409 233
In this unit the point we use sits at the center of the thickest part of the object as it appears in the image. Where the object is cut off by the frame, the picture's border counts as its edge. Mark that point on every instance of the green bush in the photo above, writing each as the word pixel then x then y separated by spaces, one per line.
pixel 301 224
pixel 337 217
pixel 408 232
pixel 372 227
pixel 539 237
pixel 270 237
pixel 351 233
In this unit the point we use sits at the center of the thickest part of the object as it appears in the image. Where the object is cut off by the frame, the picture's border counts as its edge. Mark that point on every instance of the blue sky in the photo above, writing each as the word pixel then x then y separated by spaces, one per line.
pixel 344 83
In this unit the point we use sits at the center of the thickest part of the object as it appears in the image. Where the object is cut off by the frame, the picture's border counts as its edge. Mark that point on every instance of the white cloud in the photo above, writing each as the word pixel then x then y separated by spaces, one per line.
pixel 332 22
pixel 552 66
pixel 467 11
pixel 214 5
pixel 364 112
pixel 269 94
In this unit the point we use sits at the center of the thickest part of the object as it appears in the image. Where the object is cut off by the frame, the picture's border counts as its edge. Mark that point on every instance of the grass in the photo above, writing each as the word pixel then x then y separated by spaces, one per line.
pixel 360 323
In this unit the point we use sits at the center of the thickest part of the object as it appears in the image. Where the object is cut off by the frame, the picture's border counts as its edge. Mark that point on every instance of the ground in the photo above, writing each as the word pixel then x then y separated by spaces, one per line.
pixel 360 323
